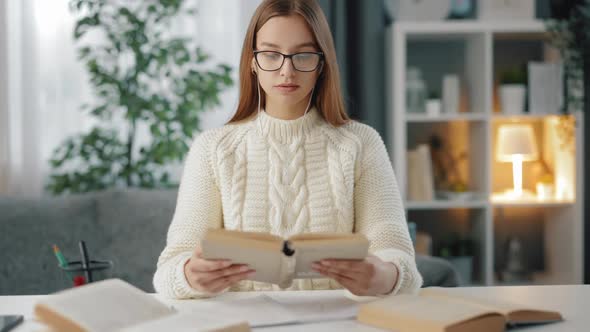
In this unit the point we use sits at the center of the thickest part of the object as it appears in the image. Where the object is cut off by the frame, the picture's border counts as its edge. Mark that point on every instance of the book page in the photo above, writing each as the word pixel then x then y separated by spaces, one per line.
pixel 258 310
pixel 514 312
pixel 265 237
pixel 310 251
pixel 266 263
pixel 101 306
pixel 422 313
pixel 260 241
pixel 191 322
pixel 277 308
pixel 319 306
pixel 325 236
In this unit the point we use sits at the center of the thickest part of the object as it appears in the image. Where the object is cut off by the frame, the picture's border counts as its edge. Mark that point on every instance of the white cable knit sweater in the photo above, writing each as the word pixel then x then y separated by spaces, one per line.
pixel 295 176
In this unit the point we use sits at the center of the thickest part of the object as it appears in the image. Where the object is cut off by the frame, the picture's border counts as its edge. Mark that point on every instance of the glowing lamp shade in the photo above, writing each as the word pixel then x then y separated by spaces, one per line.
pixel 516 143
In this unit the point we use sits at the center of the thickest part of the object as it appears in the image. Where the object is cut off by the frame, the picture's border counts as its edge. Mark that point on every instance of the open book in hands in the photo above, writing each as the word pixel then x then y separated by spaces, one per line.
pixel 436 309
pixel 279 261
pixel 114 305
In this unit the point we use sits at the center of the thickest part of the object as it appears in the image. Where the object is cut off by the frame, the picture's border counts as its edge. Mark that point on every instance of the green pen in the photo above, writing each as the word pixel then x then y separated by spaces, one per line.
pixel 63 262
pixel 60 257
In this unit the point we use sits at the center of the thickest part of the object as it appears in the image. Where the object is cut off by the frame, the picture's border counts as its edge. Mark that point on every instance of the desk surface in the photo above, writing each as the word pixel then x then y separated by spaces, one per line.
pixel 572 301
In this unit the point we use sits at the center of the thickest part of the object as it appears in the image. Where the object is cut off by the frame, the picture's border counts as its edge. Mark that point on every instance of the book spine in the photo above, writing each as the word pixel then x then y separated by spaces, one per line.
pixel 287 268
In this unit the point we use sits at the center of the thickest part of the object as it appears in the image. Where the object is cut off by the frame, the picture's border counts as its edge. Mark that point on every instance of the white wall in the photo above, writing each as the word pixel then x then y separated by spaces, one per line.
pixel 218 35
pixel 46 85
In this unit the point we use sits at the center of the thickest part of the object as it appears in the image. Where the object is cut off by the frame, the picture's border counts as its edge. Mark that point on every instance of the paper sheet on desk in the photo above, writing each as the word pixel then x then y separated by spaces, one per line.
pixel 264 310
pixel 309 307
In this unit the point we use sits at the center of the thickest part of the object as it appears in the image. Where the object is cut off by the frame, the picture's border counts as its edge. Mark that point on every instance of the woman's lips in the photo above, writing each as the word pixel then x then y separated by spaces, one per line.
pixel 287 87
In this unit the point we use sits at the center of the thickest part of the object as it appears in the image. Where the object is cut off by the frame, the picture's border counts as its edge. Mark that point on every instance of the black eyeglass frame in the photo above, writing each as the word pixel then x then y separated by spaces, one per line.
pixel 289 56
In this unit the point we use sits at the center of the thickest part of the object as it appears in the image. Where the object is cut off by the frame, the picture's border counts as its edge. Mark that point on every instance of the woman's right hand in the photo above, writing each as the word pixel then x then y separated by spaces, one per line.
pixel 213 276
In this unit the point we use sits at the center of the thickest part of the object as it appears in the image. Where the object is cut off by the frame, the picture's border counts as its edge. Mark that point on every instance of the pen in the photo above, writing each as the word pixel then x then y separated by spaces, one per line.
pixel 63 262
pixel 84 257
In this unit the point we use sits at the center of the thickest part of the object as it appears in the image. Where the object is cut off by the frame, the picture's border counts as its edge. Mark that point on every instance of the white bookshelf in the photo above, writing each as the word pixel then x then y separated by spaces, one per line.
pixel 446 117
pixel 445 204
pixel 477 47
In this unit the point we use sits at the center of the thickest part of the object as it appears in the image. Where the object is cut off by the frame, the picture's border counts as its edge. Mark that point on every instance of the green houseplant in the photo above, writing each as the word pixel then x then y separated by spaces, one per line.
pixel 141 75
pixel 569 29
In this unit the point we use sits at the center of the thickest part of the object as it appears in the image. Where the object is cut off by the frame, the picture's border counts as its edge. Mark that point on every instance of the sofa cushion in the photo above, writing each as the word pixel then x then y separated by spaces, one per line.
pixel 29 228
pixel 436 271
pixel 135 223
pixel 126 226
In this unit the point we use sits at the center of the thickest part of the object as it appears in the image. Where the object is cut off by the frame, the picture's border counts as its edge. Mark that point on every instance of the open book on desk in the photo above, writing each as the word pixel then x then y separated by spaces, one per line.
pixel 437 309
pixel 114 305
pixel 279 261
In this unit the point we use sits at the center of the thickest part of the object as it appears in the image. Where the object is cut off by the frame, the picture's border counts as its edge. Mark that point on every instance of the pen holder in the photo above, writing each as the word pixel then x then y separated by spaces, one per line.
pixel 96 270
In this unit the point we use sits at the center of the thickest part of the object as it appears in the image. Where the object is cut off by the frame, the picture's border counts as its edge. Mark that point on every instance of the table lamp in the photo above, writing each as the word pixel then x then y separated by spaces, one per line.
pixel 516 143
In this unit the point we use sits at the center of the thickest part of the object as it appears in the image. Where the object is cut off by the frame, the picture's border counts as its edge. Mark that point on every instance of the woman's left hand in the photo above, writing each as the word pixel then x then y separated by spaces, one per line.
pixel 368 277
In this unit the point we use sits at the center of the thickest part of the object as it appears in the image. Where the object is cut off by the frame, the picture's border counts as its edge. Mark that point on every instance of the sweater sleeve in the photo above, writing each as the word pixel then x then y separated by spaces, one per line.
pixel 198 208
pixel 379 212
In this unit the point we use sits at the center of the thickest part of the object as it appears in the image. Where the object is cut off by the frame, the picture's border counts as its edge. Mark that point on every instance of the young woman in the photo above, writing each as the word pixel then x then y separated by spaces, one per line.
pixel 289 161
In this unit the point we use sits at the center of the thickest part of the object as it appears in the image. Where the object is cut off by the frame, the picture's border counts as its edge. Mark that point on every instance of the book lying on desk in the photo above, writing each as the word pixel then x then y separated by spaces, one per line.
pixel 114 305
pixel 279 261
pixel 436 309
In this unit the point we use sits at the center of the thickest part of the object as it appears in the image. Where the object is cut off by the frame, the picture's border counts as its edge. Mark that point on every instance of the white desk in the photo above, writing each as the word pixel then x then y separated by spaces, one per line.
pixel 572 301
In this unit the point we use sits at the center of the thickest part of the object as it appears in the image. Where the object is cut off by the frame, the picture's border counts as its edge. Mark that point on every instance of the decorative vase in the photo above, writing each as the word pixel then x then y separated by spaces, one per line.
pixel 451 93
pixel 512 98
pixel 433 107
pixel 415 91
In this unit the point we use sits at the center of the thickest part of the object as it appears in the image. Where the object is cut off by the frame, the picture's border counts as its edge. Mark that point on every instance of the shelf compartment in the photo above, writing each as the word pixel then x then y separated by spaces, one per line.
pixel 556 156
pixel 549 238
pixel 459 138
pixel 446 226
pixel 464 55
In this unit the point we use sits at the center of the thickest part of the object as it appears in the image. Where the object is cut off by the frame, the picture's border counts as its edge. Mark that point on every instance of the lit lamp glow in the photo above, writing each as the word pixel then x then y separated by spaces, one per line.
pixel 516 144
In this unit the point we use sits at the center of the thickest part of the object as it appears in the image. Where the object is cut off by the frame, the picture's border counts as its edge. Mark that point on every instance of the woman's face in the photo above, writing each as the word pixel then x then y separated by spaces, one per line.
pixel 286 85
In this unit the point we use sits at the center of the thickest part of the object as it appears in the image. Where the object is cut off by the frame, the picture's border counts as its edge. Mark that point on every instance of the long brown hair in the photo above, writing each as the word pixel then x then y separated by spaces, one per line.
pixel 327 96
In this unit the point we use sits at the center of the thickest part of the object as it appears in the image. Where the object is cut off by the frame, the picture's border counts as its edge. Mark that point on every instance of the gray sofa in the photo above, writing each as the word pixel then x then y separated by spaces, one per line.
pixel 126 226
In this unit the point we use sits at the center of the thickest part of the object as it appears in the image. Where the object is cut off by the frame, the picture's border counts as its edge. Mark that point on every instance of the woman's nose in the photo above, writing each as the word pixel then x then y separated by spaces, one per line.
pixel 287 69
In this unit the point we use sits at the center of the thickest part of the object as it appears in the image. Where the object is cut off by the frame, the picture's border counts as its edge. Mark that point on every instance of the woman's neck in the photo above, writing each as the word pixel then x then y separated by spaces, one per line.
pixel 286 112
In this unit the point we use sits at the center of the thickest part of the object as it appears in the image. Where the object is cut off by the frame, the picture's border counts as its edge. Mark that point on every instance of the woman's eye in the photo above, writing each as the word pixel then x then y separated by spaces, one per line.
pixel 271 56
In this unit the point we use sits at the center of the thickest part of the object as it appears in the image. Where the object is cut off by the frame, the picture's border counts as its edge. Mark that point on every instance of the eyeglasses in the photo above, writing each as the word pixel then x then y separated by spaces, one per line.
pixel 273 61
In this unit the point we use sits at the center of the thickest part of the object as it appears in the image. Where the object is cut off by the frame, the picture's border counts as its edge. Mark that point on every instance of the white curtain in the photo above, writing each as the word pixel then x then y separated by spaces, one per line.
pixel 46 83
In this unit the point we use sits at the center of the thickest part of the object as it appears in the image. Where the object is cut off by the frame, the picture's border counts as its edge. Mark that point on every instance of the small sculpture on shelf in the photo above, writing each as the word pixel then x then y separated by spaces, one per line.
pixel 545 180
pixel 448 180
pixel 514 270
pixel 451 94
pixel 545 186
